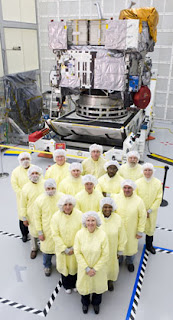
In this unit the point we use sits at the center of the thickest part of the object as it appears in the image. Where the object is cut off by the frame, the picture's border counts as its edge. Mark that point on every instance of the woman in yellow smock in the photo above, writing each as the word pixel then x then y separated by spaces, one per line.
pixel 64 225
pixel 92 253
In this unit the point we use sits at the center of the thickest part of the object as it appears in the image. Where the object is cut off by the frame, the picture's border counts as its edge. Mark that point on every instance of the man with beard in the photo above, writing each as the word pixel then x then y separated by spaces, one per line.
pixel 132 169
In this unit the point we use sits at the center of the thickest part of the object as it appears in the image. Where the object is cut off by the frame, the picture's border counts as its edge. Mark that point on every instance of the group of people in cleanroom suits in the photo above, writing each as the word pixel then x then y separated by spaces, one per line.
pixel 89 214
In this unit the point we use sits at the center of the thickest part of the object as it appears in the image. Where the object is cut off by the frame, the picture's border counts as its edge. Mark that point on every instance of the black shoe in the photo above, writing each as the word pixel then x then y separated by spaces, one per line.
pixel 84 308
pixel 96 309
pixel 152 250
pixel 131 267
pixel 24 238
pixel 110 285
pixel 120 260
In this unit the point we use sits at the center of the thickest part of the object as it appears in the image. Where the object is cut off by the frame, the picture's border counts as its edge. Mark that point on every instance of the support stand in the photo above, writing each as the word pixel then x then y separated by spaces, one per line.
pixel 164 203
pixel 2 174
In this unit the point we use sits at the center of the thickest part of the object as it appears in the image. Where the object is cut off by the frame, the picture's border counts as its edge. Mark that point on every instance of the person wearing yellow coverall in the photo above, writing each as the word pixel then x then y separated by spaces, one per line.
pixel 91 249
pixel 19 178
pixel 89 198
pixel 45 207
pixel 113 226
pixel 30 192
pixel 72 184
pixel 95 163
pixel 60 169
pixel 64 225
pixel 150 190
pixel 132 210
pixel 132 169
pixel 111 181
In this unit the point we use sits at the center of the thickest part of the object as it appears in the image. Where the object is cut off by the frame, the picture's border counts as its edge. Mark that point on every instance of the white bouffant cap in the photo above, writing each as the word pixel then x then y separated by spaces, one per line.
pixel 96 147
pixel 89 178
pixel 108 200
pixel 24 155
pixel 111 163
pixel 66 199
pixel 75 166
pixel 128 182
pixel 91 214
pixel 59 152
pixel 133 154
pixel 148 165
pixel 50 183
pixel 34 169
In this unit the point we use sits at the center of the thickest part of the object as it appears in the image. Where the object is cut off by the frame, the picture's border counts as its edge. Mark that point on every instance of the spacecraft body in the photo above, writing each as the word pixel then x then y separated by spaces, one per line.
pixel 103 66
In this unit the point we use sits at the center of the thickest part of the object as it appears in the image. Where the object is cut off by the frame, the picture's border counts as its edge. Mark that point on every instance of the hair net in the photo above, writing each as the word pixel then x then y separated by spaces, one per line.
pixel 148 165
pixel 34 169
pixel 133 154
pixel 111 163
pixel 96 147
pixel 59 152
pixel 91 214
pixel 108 200
pixel 24 155
pixel 89 178
pixel 75 166
pixel 50 183
pixel 128 182
pixel 66 199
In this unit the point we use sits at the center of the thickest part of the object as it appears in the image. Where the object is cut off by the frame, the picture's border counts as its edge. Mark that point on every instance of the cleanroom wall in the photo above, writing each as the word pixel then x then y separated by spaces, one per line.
pixel 19 36
pixel 162 57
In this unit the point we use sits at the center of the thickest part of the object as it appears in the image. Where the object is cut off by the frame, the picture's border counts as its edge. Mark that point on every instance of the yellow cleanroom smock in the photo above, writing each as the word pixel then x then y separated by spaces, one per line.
pixel 91 250
pixel 133 213
pixel 87 202
pixel 30 192
pixel 151 194
pixel 64 228
pixel 114 228
pixel 57 172
pixel 19 178
pixel 45 207
pixel 109 185
pixel 71 185
pixel 130 173
pixel 96 168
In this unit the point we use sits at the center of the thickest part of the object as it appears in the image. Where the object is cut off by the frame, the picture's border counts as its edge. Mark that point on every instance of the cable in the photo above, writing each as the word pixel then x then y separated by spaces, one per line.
pixel 148 147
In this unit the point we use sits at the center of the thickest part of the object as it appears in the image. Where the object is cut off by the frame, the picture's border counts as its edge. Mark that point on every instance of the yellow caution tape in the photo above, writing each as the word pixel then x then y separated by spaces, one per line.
pixel 161 157
pixel 159 167
pixel 39 151
pixel 23 149
pixel 14 152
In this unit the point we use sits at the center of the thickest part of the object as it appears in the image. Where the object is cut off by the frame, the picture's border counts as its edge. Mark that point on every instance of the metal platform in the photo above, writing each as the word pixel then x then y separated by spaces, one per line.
pixel 75 129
